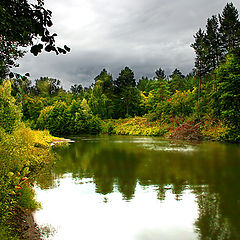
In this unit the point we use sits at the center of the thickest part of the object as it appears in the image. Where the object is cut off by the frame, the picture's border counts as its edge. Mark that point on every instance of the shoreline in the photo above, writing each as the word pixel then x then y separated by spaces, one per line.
pixel 31 230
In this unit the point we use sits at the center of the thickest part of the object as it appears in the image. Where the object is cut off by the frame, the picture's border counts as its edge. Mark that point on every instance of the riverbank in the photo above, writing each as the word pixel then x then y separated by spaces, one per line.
pixel 24 153
pixel 175 128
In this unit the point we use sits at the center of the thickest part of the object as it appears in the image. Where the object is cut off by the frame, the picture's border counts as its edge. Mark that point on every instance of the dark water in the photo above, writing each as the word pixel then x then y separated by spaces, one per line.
pixel 138 188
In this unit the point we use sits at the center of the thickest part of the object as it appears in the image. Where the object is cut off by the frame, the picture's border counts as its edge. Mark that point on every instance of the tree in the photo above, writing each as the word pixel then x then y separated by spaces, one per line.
pixel 47 87
pixel 229 28
pixel 10 113
pixel 8 54
pixel 20 86
pixel 159 93
pixel 125 79
pixel 227 94
pixel 125 93
pixel 213 43
pixel 107 82
pixel 25 24
pixel 201 52
pixel 160 73
pixel 76 89
pixel 99 102
pixel 145 85
pixel 177 81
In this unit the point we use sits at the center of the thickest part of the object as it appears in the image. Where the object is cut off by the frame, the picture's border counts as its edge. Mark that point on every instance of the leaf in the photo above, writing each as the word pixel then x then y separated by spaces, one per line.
pixel 67 48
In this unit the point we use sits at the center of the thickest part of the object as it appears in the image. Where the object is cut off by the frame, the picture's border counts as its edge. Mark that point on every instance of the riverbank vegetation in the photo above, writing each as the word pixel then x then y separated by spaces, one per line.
pixel 23 153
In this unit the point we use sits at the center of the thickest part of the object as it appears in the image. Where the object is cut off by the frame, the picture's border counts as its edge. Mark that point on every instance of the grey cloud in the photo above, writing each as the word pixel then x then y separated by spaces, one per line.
pixel 143 35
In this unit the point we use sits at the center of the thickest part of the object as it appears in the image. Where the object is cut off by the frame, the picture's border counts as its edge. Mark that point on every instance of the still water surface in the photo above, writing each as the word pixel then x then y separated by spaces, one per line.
pixel 141 188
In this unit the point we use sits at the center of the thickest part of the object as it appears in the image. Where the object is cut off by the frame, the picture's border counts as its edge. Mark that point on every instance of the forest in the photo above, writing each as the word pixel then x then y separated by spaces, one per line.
pixel 202 105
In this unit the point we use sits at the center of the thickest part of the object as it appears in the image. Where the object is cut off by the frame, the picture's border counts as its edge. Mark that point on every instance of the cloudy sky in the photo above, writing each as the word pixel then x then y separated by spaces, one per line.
pixel 112 34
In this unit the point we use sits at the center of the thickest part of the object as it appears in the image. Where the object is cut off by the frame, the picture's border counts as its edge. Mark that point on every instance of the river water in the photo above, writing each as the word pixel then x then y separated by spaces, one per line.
pixel 141 188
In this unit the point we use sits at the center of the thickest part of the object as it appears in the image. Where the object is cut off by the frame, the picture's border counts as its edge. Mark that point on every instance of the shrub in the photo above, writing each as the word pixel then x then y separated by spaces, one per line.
pixel 180 104
pixel 55 118
pixel 187 131
pixel 93 125
pixel 10 113
pixel 22 154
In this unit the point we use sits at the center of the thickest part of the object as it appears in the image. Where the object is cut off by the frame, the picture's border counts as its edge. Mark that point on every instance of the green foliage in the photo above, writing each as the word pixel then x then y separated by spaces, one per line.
pixel 177 81
pixel 99 102
pixel 55 118
pixel 93 125
pixel 138 126
pixel 63 119
pixel 10 113
pixel 180 104
pixel 31 107
pixel 22 154
pixel 46 87
pixel 227 95
pixel 159 93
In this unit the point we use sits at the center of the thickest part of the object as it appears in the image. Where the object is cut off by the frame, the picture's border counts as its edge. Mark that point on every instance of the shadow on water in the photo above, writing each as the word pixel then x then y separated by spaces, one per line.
pixel 210 170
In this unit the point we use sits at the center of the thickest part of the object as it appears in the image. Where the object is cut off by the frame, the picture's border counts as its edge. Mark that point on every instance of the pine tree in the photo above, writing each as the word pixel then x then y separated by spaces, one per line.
pixel 229 28
pixel 177 81
pixel 160 73
pixel 201 51
pixel 107 82
pixel 213 43
pixel 125 79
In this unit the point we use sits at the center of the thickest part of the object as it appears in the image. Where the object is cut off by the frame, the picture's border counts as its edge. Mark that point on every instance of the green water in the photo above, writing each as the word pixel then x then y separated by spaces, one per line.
pixel 142 188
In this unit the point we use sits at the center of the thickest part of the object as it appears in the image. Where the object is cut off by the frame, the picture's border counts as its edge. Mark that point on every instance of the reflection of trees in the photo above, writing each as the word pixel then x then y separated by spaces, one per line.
pixel 211 173
pixel 219 205
pixel 211 224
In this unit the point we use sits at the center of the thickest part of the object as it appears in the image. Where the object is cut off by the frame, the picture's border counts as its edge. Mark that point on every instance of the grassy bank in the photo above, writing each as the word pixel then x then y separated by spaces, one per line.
pixel 23 154
pixel 178 128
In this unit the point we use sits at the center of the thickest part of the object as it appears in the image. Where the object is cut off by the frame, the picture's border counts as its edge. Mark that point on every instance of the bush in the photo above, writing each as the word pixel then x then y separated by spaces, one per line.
pixel 61 119
pixel 93 125
pixel 10 113
pixel 187 131
pixel 180 104
pixel 22 154
pixel 55 118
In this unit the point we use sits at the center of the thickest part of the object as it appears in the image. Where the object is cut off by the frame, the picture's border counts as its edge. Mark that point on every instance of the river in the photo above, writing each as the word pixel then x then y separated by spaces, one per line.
pixel 141 188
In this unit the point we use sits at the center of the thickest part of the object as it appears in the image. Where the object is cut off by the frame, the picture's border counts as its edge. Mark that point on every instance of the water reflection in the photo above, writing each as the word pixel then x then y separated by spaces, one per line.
pixel 127 165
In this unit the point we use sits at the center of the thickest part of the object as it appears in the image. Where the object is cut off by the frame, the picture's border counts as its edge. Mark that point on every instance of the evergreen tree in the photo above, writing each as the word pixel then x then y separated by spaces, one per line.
pixel 159 93
pixel 177 81
pixel 107 82
pixel 145 85
pixel 229 28
pixel 160 73
pixel 213 43
pixel 201 52
pixel 126 95
pixel 76 89
pixel 125 79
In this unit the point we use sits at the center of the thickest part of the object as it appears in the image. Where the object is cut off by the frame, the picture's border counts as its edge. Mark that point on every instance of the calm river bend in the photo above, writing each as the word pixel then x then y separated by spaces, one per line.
pixel 141 188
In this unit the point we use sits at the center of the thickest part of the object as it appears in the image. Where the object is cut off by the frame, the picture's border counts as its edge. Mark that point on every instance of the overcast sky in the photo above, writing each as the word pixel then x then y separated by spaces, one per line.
pixel 112 34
